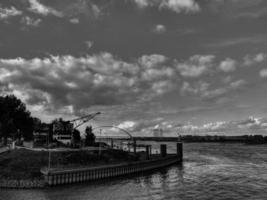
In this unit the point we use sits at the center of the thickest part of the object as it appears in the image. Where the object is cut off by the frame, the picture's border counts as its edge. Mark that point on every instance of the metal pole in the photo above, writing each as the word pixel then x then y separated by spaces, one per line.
pixel 49 153
pixel 99 149
pixel 49 159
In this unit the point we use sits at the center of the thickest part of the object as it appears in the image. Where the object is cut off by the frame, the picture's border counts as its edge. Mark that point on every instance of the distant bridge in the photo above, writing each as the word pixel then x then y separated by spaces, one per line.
pixel 114 137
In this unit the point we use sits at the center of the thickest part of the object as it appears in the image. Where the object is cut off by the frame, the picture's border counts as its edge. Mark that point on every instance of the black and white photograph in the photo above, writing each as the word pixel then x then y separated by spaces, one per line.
pixel 133 99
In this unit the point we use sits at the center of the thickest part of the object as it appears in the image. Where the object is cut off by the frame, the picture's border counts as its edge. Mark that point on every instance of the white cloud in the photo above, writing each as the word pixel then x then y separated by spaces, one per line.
pixel 263 73
pixel 82 82
pixel 37 7
pixel 28 21
pixel 206 92
pixel 145 127
pixel 162 87
pixel 105 80
pixel 80 8
pixel 159 29
pixel 250 125
pixel 228 65
pixel 197 89
pixel 178 6
pixel 89 44
pixel 196 66
pixel 237 84
pixel 127 125
pixel 249 60
pixel 74 20
pixel 214 93
pixel 9 12
pixel 152 61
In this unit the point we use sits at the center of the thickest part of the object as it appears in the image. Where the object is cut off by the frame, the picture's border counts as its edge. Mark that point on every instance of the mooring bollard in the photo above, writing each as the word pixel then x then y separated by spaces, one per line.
pixel 179 147
pixel 163 150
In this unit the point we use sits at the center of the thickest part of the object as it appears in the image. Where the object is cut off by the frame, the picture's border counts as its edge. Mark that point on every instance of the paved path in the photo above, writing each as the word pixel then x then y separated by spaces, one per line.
pixel 62 149
pixel 4 149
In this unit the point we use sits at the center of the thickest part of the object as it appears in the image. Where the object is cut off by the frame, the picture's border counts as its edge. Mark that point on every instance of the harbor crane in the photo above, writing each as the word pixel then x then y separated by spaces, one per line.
pixel 63 130
pixel 81 120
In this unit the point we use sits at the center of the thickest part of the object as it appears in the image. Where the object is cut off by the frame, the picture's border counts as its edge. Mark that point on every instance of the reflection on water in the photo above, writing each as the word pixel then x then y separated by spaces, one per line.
pixel 209 171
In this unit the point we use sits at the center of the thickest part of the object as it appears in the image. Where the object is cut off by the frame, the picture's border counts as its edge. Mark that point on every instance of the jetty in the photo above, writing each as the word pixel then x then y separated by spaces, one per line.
pixel 61 176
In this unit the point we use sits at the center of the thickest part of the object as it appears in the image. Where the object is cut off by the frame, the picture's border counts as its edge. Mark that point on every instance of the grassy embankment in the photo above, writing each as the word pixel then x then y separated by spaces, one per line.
pixel 26 164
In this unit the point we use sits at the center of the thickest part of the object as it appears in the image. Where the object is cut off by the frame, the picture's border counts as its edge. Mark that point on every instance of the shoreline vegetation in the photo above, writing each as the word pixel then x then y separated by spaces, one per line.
pixel 247 139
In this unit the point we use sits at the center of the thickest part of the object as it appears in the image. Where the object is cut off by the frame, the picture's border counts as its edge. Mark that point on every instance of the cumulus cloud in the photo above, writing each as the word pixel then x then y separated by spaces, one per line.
pixel 197 89
pixel 74 20
pixel 74 9
pixel 228 65
pixel 28 21
pixel 37 7
pixel 249 60
pixel 188 6
pixel 145 127
pixel 206 92
pixel 196 66
pixel 9 12
pixel 263 73
pixel 73 84
pixel 89 44
pixel 152 61
pixel 237 84
pixel 251 125
pixel 159 29
pixel 82 82
pixel 178 6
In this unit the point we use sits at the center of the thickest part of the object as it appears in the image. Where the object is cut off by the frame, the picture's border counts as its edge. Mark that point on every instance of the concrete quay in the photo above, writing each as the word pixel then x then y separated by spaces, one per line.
pixel 53 177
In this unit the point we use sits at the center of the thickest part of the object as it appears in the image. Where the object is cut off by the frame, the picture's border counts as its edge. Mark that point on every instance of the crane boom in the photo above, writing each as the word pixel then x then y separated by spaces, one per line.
pixel 81 120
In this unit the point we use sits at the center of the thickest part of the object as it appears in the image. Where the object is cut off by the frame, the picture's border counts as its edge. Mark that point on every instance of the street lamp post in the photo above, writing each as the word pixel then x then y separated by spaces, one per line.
pixel 99 149
pixel 49 152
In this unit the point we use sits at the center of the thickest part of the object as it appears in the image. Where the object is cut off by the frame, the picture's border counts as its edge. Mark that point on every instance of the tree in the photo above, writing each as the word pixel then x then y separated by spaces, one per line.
pixel 76 136
pixel 15 119
pixel 89 137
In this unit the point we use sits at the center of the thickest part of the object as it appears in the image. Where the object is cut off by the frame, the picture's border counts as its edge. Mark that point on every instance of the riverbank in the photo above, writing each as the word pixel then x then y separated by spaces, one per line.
pixel 20 168
pixel 26 164
pixel 246 139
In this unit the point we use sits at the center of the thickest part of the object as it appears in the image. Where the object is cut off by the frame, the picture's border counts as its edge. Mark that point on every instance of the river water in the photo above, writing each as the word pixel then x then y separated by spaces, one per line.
pixel 209 171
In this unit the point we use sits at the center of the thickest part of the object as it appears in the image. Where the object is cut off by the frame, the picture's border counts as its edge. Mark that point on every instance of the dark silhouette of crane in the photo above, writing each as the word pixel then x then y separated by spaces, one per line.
pixel 81 120
pixel 63 130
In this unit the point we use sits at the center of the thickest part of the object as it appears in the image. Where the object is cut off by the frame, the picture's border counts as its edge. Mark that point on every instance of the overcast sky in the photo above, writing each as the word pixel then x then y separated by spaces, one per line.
pixel 183 65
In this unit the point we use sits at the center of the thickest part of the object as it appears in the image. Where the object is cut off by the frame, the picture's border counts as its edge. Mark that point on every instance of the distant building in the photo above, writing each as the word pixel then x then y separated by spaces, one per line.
pixel 62 131
pixel 41 135
pixel 157 132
